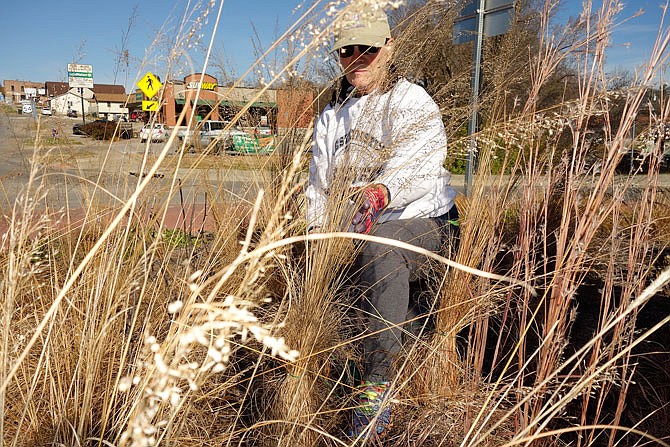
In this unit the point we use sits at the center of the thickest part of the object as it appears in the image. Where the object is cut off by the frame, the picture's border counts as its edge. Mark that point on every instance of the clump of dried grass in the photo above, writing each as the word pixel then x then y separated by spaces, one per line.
pixel 438 420
pixel 93 296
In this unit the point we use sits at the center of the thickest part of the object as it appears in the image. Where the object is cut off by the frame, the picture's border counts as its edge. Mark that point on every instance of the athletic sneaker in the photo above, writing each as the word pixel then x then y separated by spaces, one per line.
pixel 373 405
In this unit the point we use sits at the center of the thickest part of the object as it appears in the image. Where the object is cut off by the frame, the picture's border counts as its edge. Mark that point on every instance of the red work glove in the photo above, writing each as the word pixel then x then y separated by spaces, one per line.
pixel 375 199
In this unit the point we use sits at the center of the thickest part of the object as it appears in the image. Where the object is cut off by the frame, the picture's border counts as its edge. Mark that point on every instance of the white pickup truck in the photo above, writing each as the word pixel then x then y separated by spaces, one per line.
pixel 206 132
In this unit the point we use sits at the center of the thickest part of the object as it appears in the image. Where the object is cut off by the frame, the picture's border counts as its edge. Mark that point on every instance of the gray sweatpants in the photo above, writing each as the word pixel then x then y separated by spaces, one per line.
pixel 385 273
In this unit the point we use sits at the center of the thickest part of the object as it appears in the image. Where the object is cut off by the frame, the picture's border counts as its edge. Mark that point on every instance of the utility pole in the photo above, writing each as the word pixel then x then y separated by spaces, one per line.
pixel 81 95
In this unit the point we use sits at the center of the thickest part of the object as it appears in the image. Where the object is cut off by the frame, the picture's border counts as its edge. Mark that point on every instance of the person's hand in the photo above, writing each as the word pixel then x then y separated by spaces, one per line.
pixel 375 199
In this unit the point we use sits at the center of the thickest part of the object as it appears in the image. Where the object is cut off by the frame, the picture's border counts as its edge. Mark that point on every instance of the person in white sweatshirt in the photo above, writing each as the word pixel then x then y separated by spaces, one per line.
pixel 382 138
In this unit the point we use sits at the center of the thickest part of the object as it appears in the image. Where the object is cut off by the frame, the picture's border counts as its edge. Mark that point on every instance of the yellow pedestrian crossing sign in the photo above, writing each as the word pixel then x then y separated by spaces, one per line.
pixel 150 106
pixel 149 84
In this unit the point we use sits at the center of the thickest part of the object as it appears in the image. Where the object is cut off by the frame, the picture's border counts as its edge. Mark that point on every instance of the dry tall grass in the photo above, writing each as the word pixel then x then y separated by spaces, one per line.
pixel 116 332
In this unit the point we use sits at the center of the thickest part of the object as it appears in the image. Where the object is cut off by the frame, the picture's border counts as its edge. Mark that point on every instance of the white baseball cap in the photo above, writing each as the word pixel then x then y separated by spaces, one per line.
pixel 372 30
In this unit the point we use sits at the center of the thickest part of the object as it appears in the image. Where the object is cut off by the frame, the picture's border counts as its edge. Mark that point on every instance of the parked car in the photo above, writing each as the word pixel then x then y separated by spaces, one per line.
pixel 72 113
pixel 157 132
pixel 76 129
pixel 118 117
pixel 46 111
pixel 218 132
pixel 137 115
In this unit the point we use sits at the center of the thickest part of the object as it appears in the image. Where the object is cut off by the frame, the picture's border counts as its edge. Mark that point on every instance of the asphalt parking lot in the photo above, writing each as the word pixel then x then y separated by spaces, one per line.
pixel 75 167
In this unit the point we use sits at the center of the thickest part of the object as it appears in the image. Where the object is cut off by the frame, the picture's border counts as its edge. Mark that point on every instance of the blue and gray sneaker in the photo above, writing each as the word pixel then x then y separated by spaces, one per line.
pixel 373 406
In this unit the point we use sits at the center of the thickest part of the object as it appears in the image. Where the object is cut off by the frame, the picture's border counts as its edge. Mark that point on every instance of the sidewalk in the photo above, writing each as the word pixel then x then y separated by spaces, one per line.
pixel 191 218
pixel 638 181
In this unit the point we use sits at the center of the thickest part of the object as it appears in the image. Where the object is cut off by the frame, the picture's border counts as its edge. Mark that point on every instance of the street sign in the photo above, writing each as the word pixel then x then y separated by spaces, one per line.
pixel 80 76
pixel 497 16
pixel 150 106
pixel 149 84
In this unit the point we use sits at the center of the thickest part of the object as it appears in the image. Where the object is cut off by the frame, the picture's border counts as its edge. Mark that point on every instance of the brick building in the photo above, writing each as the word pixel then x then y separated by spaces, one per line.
pixel 17 91
pixel 279 109
pixel 56 88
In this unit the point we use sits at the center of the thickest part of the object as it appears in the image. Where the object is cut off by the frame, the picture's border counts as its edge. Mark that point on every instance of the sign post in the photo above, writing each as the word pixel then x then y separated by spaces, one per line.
pixel 479 18
pixel 150 86
pixel 80 76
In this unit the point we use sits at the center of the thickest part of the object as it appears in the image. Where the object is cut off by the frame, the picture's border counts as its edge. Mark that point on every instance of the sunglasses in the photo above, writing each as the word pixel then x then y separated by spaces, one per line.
pixel 348 50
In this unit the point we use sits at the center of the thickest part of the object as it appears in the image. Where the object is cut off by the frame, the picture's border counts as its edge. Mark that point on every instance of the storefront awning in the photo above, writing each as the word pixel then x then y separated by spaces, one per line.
pixel 263 104
pixel 211 103
pixel 201 102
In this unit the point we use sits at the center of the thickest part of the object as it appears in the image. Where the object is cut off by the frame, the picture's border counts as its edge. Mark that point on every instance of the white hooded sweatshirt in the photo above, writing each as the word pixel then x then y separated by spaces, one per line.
pixel 397 139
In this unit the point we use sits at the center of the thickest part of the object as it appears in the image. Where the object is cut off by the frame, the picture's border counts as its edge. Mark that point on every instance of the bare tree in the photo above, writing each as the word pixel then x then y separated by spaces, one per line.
pixel 222 66
pixel 122 62
pixel 78 57
pixel 80 52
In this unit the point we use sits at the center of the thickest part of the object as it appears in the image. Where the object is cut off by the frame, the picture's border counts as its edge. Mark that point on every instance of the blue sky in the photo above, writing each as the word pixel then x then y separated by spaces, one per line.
pixel 634 39
pixel 634 36
pixel 38 39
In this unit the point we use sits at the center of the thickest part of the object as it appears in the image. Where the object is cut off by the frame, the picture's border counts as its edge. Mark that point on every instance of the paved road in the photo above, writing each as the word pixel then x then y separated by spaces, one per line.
pixel 72 171
pixel 15 163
